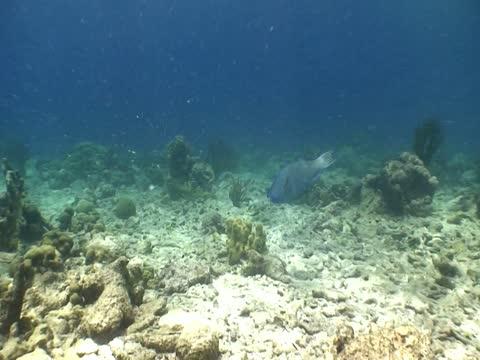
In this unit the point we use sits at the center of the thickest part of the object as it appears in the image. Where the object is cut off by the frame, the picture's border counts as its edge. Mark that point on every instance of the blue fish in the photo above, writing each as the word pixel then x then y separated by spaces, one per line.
pixel 294 179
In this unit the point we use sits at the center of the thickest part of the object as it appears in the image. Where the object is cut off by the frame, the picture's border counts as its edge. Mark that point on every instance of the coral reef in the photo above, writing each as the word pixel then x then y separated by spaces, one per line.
pixel 243 236
pixel 124 208
pixel 405 185
pixel 428 138
pixel 161 285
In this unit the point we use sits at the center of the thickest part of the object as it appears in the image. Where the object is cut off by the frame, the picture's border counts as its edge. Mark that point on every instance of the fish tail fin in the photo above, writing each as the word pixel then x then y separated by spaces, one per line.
pixel 324 160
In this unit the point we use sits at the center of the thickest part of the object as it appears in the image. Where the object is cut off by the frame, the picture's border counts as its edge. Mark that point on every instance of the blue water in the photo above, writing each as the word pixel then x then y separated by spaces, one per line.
pixel 281 73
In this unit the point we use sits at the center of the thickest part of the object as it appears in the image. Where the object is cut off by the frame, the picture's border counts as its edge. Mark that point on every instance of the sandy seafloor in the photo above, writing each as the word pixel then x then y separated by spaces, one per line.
pixel 346 265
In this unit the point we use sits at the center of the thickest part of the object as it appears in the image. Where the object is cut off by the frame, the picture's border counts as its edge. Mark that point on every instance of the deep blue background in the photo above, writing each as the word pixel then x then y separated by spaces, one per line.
pixel 276 72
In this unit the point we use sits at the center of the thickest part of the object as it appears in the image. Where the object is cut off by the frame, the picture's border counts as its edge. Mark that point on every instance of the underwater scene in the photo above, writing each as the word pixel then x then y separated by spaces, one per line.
pixel 220 179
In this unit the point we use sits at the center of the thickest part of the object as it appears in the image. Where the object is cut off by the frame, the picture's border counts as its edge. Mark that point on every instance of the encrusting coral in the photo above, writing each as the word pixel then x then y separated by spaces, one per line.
pixel 405 185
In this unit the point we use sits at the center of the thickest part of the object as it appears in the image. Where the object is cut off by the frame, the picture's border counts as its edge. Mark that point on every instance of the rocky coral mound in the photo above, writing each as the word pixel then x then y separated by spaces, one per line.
pixel 405 186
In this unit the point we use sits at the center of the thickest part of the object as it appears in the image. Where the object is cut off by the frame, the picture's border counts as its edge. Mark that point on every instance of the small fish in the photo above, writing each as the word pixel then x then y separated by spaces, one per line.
pixel 294 179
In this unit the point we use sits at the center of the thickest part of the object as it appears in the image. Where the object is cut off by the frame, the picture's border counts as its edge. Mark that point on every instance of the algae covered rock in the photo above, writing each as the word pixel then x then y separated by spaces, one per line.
pixel 242 236
pixel 125 208
pixel 405 186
